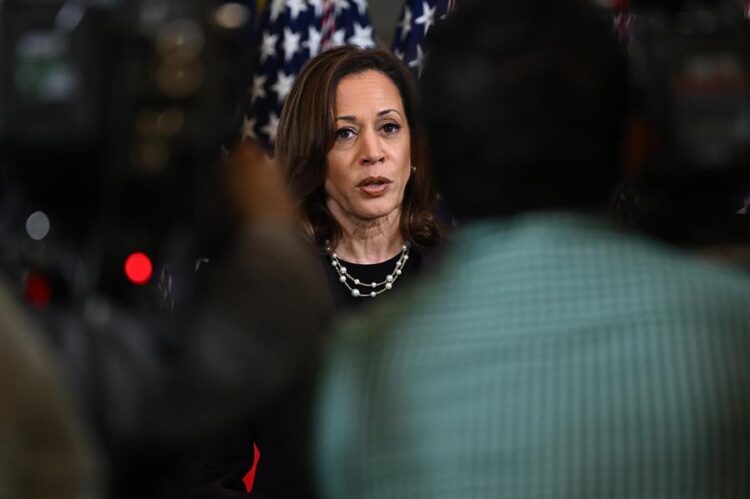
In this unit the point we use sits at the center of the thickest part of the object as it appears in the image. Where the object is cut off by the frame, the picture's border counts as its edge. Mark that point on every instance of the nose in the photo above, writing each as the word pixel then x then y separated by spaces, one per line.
pixel 371 151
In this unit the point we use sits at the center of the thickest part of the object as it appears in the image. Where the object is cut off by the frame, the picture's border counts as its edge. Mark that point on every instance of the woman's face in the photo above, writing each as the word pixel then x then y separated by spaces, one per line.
pixel 369 163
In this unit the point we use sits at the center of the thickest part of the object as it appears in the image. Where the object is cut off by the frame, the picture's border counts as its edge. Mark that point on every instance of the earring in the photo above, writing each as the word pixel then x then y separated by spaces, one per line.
pixel 413 169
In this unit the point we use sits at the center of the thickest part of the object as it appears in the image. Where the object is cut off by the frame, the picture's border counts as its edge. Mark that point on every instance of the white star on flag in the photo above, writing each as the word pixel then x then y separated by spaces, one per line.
pixel 268 46
pixel 283 85
pixel 337 38
pixel 248 129
pixel 318 6
pixel 362 36
pixel 427 18
pixel 277 7
pixel 341 5
pixel 314 37
pixel 398 53
pixel 416 19
pixel 361 6
pixel 418 61
pixel 271 127
pixel 291 43
pixel 295 7
pixel 258 91
pixel 405 24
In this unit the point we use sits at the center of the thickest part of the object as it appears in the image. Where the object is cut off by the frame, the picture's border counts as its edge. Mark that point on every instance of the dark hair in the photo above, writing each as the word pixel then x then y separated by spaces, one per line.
pixel 306 134
pixel 525 106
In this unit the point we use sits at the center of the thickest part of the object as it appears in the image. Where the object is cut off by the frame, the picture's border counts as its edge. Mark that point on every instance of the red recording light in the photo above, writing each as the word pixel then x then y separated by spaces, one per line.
pixel 138 268
pixel 38 290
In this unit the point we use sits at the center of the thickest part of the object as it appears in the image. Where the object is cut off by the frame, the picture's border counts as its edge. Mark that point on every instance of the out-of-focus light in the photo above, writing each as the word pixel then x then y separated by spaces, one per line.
pixel 232 15
pixel 168 123
pixel 37 225
pixel 181 40
pixel 179 80
pixel 146 122
pixel 38 292
pixel 138 268
pixel 69 16
pixel 151 156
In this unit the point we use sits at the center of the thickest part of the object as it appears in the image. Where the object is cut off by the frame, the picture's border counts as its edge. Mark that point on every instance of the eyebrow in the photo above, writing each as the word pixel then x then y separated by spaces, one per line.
pixel 354 118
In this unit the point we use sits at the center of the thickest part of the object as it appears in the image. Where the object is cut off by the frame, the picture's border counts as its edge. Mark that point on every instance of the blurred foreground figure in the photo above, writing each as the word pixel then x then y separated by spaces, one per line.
pixel 172 311
pixel 42 449
pixel 688 162
pixel 555 354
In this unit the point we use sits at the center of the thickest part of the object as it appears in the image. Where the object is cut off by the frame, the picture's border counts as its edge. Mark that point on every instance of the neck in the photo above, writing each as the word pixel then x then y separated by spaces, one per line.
pixel 369 241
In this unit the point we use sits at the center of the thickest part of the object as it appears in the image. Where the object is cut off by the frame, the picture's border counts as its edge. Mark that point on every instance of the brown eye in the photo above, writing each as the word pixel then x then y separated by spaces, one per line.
pixel 344 133
pixel 391 128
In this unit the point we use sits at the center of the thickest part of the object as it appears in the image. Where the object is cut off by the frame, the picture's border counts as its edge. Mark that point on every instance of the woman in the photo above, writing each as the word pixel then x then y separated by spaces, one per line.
pixel 349 140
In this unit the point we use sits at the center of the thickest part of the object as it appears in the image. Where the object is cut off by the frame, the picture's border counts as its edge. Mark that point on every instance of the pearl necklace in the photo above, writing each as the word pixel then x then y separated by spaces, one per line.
pixel 375 288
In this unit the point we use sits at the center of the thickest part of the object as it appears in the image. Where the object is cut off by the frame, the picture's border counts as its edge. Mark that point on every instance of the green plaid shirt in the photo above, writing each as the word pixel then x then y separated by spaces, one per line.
pixel 552 356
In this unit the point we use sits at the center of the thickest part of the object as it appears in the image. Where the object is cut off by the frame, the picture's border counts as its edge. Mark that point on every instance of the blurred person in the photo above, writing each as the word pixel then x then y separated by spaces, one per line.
pixel 687 180
pixel 277 291
pixel 349 141
pixel 44 453
pixel 554 354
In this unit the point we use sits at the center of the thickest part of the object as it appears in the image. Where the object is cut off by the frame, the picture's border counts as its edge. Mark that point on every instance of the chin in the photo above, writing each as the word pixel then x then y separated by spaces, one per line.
pixel 374 212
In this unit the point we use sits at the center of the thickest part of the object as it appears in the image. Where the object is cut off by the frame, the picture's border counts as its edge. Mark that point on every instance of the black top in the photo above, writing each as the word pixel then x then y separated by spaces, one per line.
pixel 377 272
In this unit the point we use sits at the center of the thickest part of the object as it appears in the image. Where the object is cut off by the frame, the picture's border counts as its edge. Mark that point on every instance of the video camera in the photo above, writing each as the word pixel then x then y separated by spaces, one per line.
pixel 690 70
pixel 112 118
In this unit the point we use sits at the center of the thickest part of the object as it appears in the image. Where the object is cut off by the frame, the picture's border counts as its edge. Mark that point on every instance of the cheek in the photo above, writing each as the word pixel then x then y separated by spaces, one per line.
pixel 335 180
pixel 329 183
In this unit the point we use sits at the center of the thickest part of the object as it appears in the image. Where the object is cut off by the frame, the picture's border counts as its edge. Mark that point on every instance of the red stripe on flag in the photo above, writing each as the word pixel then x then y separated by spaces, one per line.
pixel 328 24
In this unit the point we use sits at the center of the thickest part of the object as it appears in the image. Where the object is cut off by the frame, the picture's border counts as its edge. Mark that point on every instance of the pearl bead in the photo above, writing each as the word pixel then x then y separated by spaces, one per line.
pixel 374 287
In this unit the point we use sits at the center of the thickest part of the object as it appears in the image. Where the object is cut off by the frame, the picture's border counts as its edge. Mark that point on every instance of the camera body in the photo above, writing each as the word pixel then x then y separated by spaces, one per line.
pixel 113 114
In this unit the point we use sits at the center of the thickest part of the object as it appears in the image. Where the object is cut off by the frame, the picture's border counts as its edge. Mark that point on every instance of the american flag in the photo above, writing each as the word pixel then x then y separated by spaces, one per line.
pixel 291 32
pixel 417 18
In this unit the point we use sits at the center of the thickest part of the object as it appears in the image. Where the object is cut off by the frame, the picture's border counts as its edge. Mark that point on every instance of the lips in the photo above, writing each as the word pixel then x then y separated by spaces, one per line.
pixel 374 186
